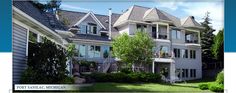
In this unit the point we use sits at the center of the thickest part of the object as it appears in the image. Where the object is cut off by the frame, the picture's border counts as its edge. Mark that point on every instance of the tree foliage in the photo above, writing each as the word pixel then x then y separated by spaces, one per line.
pixel 135 49
pixel 207 40
pixel 46 63
pixel 218 47
pixel 50 6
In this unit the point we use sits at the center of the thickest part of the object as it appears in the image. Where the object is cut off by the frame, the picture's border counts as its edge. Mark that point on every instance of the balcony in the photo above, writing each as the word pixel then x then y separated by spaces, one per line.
pixel 191 37
pixel 162 36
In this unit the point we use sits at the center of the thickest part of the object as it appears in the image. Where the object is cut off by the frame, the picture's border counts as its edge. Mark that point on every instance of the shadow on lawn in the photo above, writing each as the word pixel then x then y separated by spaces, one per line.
pixel 112 87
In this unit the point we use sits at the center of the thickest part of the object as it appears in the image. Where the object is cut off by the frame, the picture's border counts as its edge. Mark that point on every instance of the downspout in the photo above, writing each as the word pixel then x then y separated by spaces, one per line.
pixel 109 23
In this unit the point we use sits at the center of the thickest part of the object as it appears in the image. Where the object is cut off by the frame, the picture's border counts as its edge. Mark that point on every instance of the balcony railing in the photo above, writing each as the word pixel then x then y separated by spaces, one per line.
pixel 191 41
pixel 162 36
pixel 162 55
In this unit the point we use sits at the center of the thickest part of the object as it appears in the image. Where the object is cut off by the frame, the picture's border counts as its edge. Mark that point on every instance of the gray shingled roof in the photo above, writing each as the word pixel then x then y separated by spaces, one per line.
pixel 73 17
pixel 154 14
pixel 46 19
pixel 190 22
pixel 140 13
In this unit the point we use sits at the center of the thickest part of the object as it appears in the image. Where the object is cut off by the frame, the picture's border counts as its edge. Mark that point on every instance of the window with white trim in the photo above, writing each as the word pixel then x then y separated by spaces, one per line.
pixel 175 34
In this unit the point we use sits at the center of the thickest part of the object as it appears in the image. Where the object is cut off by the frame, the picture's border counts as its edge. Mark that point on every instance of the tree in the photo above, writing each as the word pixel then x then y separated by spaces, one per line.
pixel 136 50
pixel 207 40
pixel 46 64
pixel 50 6
pixel 218 47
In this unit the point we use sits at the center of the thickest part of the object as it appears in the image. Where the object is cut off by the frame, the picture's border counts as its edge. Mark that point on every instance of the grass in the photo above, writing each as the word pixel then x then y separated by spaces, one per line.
pixel 189 86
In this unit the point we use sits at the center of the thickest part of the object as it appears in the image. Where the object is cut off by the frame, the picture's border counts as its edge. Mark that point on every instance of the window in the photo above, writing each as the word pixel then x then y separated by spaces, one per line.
pixel 154 32
pixel 94 51
pixel 184 73
pixel 177 53
pixel 162 30
pixel 105 51
pixel 192 54
pixel 184 53
pixel 175 34
pixel 193 73
pixel 33 37
pixel 97 51
pixel 82 50
pixel 83 29
pixel 141 27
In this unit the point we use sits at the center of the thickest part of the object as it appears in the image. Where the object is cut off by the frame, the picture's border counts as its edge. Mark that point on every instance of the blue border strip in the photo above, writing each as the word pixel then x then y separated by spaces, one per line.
pixel 6 26
pixel 230 24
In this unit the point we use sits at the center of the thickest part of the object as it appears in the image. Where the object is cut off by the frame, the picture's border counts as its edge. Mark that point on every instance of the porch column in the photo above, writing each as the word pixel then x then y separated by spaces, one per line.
pixel 199 40
pixel 157 33
pixel 168 32
pixel 153 67
pixel 172 71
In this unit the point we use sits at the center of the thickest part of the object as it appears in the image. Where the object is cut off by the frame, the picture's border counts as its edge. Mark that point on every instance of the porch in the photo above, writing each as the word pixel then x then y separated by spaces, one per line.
pixel 166 67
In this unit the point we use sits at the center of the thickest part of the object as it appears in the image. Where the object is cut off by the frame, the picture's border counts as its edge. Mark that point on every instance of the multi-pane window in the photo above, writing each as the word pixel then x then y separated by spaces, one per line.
pixel 89 28
pixel 105 51
pixel 82 50
pixel 192 72
pixel 184 73
pixel 94 51
pixel 83 29
pixel 175 34
pixel 32 37
pixel 184 53
pixel 141 27
pixel 177 53
pixel 193 54
pixel 162 32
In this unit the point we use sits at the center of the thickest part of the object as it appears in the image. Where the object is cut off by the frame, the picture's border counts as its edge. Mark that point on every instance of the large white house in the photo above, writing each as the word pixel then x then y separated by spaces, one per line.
pixel 177 41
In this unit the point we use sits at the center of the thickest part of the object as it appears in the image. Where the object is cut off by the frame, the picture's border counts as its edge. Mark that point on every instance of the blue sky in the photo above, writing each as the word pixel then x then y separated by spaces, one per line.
pixel 180 9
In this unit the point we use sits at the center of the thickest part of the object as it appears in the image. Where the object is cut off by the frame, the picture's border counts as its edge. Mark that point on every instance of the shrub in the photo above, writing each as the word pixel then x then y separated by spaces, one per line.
pixel 220 78
pixel 67 80
pixel 122 77
pixel 215 87
pixel 46 63
pixel 126 70
pixel 203 86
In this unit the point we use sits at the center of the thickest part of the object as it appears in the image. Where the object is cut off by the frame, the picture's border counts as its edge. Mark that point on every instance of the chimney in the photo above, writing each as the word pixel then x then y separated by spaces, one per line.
pixel 192 17
pixel 109 24
pixel 57 15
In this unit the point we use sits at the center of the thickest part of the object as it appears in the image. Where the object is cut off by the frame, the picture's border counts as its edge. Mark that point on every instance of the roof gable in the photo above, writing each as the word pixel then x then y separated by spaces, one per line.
pixel 190 22
pixel 94 18
pixel 154 15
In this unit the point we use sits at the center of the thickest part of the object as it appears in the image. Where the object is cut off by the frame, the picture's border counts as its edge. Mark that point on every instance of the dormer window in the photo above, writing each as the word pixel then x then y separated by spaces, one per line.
pixel 90 28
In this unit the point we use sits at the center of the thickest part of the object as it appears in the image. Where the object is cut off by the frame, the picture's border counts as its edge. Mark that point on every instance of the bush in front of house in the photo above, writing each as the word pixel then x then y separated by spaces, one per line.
pixel 203 86
pixel 220 78
pixel 215 87
pixel 46 64
pixel 133 77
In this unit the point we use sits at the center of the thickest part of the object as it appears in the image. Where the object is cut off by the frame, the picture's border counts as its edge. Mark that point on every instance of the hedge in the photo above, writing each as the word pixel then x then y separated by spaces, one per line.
pixel 122 77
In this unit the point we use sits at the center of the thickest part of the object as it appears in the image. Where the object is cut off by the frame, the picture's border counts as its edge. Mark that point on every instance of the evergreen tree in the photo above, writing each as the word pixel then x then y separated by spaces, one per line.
pixel 207 40
pixel 218 48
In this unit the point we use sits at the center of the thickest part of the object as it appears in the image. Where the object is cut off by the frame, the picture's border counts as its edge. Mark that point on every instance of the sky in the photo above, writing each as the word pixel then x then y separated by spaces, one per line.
pixel 178 8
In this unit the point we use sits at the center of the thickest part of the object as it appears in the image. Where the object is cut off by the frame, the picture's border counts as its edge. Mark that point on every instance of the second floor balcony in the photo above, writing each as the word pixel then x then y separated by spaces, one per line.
pixel 192 37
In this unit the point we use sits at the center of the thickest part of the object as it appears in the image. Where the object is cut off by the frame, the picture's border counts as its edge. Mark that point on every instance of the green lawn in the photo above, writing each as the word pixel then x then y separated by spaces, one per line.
pixel 145 87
